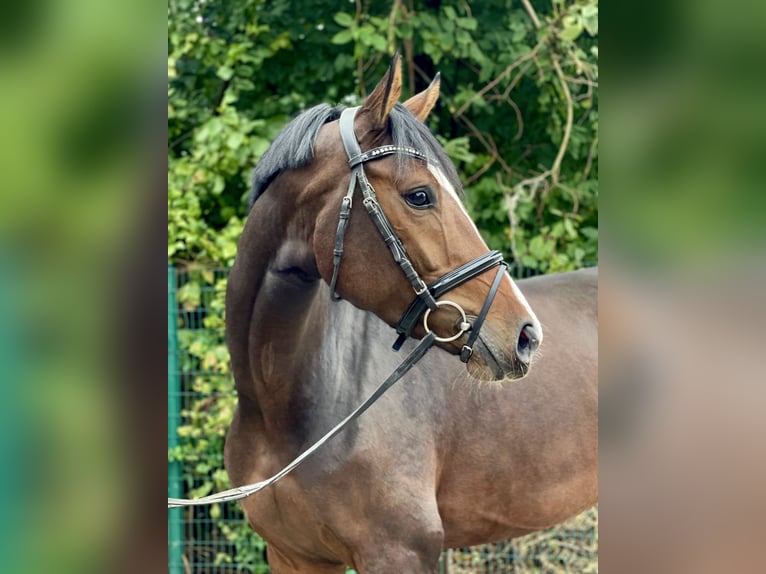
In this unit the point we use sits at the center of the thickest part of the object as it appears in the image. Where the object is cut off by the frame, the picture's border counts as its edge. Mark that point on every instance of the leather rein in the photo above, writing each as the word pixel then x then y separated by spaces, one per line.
pixel 423 305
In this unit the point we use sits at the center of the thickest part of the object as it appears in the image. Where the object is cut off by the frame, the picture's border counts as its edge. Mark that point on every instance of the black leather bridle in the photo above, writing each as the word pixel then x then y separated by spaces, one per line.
pixel 426 296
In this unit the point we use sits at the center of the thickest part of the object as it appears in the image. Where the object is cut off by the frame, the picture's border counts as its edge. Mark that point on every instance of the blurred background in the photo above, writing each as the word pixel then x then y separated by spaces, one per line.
pixel 82 158
pixel 83 290
pixel 681 289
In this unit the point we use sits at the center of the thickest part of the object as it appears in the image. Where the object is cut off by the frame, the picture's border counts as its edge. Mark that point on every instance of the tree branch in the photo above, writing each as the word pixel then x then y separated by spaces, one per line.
pixel 589 161
pixel 391 38
pixel 515 64
pixel 531 12
pixel 489 144
pixel 359 63
pixel 570 118
pixel 481 171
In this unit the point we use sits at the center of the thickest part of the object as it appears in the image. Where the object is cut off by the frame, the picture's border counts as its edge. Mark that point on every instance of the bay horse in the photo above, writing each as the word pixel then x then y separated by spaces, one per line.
pixel 445 459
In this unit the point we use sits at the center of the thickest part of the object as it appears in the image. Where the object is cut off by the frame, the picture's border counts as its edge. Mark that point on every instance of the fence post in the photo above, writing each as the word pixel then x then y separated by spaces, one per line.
pixel 175 516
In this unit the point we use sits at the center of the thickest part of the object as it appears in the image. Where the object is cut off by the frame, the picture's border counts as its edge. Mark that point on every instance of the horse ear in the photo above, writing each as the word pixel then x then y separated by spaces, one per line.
pixel 382 99
pixel 421 104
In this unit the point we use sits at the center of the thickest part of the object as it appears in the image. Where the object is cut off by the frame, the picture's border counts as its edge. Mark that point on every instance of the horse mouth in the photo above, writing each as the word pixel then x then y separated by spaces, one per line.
pixel 489 363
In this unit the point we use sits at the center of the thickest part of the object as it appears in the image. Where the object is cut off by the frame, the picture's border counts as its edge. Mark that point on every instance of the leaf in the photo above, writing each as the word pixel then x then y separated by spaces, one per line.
pixel 475 53
pixel 379 43
pixel 219 184
pixel 536 247
pixel 569 227
pixel 342 37
pixel 572 28
pixel 259 146
pixel 591 25
pixel 225 72
pixel 529 261
pixel 463 38
pixel 467 23
pixel 590 232
pixel 366 34
pixel 519 31
pixel 404 31
pixel 590 11
pixel 235 140
pixel 190 296
pixel 344 19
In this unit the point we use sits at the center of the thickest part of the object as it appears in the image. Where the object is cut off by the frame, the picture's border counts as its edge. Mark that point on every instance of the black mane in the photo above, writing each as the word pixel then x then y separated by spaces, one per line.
pixel 294 146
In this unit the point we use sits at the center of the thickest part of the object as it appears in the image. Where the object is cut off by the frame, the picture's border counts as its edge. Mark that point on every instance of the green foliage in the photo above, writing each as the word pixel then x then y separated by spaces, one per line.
pixel 204 361
pixel 518 115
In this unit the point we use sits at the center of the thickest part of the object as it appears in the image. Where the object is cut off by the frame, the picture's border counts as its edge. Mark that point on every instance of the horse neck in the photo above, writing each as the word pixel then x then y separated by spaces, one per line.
pixel 286 340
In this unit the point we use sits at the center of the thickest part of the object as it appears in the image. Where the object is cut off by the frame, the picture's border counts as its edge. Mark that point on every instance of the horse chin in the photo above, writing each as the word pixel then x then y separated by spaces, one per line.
pixel 491 366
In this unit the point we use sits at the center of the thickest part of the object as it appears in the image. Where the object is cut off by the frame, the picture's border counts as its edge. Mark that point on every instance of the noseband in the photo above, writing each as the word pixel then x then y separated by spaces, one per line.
pixel 425 302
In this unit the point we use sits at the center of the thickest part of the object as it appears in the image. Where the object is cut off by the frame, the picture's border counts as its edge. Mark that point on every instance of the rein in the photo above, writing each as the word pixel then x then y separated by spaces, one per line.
pixel 424 304
pixel 245 491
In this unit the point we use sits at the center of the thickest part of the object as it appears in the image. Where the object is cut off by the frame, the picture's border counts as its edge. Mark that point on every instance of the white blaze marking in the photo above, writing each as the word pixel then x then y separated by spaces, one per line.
pixel 445 184
pixel 520 296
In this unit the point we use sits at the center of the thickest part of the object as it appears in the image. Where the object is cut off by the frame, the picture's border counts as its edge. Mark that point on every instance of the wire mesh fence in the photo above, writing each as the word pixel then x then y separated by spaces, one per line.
pixel 201 400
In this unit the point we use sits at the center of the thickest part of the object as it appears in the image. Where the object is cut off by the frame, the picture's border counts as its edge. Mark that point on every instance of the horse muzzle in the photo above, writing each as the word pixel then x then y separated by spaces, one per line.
pixel 493 360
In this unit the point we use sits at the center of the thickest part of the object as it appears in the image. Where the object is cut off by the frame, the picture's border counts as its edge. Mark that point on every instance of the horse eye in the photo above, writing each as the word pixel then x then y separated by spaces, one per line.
pixel 419 199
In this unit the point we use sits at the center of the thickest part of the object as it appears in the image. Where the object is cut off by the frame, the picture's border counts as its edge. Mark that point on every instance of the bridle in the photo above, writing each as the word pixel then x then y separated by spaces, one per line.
pixel 423 305
pixel 426 296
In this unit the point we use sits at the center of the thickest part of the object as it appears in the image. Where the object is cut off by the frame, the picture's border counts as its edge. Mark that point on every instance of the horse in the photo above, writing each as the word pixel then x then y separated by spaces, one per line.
pixel 453 455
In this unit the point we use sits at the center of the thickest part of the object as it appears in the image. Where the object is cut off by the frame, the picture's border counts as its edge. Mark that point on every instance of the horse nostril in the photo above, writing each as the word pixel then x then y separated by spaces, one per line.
pixel 528 343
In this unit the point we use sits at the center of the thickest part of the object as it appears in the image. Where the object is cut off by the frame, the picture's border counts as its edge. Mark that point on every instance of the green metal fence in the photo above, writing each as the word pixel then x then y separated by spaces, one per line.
pixel 201 398
pixel 175 516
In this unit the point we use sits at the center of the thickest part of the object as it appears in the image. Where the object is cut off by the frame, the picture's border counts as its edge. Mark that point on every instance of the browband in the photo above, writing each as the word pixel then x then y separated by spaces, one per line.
pixel 384 151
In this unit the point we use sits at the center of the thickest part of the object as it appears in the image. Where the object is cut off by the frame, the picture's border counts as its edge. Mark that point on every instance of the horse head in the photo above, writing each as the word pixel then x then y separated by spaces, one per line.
pixel 420 197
